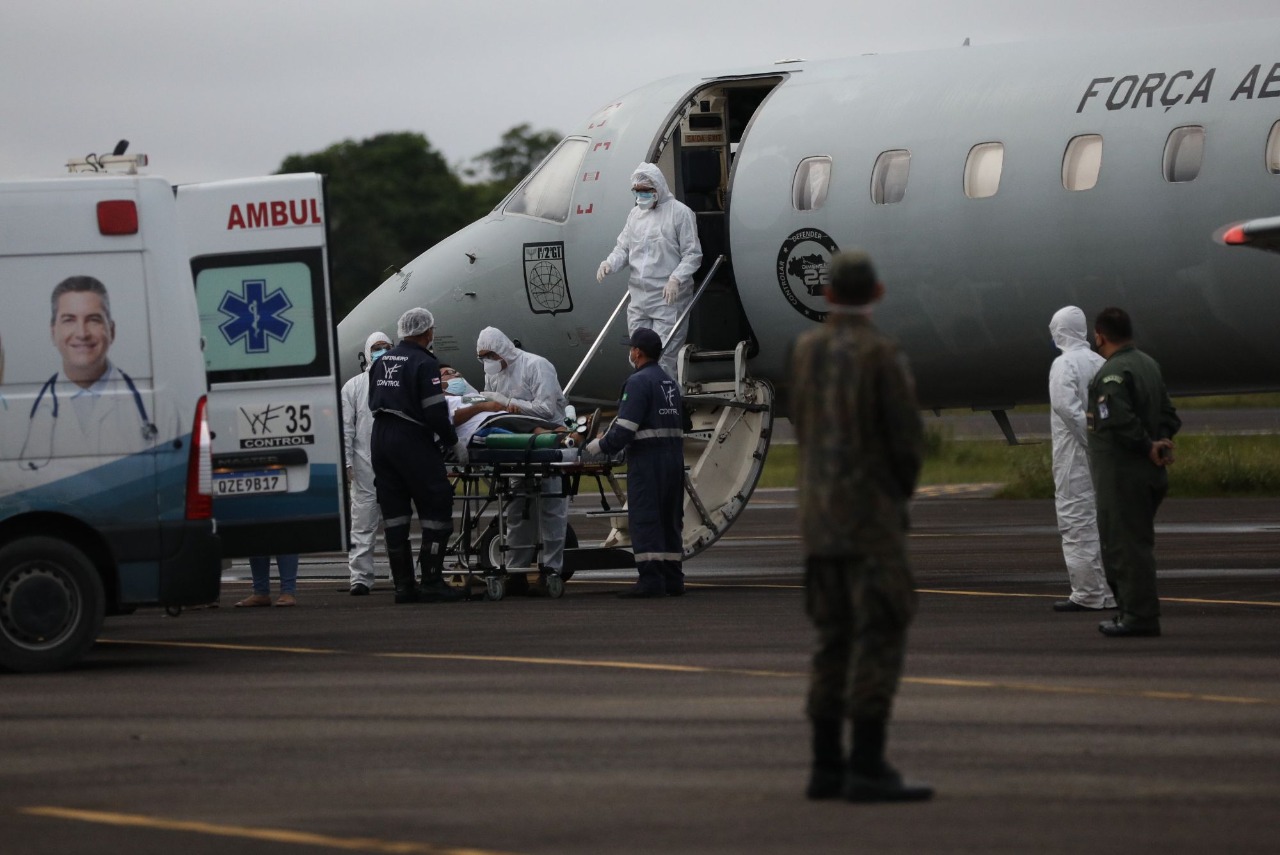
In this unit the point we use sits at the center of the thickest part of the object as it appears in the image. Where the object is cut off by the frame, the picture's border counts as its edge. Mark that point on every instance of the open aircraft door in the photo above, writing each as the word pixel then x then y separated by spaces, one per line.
pixel 259 257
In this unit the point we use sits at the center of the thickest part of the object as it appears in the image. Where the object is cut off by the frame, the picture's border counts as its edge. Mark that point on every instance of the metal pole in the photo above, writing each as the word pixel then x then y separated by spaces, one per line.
pixel 706 280
pixel 596 344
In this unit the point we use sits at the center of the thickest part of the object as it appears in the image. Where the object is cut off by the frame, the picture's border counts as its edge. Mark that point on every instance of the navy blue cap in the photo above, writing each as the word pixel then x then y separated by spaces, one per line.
pixel 647 341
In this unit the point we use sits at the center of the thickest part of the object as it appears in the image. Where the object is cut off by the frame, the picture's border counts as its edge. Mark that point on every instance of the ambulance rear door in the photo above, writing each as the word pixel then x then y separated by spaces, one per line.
pixel 259 257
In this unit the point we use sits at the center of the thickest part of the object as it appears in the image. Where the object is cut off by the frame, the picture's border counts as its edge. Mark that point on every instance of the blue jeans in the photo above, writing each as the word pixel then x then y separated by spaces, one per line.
pixel 261 567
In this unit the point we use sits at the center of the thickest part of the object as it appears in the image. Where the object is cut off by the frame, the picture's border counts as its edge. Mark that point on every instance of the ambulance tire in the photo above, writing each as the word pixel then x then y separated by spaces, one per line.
pixel 51 604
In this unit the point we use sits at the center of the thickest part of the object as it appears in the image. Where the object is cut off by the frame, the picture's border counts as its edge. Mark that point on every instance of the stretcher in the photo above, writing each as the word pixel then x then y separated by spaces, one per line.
pixel 506 468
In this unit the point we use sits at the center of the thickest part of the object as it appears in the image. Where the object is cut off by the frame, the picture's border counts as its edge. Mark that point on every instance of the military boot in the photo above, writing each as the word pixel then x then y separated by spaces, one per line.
pixel 401 560
pixel 869 778
pixel 827 777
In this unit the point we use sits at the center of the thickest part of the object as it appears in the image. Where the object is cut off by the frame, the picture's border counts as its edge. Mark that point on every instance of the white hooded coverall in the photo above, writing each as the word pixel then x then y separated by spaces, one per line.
pixel 529 382
pixel 657 244
pixel 1073 489
pixel 357 431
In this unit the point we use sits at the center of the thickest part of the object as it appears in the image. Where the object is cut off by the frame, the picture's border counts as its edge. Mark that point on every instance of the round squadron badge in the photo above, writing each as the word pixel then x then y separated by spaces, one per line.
pixel 802 270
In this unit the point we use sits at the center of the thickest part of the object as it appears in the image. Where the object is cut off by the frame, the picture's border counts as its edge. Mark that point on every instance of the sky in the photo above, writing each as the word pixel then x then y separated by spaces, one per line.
pixel 228 89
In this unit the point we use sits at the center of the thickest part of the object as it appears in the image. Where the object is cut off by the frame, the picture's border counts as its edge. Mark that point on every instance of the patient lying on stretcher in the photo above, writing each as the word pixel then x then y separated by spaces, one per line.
pixel 475 418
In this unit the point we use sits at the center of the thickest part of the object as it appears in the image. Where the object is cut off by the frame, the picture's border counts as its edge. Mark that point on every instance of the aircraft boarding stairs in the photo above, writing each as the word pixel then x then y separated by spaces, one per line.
pixel 731 415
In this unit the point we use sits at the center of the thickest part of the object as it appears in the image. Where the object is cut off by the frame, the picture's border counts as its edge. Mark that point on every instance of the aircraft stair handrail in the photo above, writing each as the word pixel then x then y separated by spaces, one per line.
pixel 706 280
pixel 595 345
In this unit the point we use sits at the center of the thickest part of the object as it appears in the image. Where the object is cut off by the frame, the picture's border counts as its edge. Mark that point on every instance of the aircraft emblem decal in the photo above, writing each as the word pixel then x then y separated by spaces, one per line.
pixel 802 270
pixel 545 281
pixel 255 316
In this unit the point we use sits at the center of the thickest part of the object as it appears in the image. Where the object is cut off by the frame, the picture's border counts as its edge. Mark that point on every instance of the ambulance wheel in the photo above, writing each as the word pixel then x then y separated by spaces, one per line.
pixel 495 588
pixel 555 586
pixel 51 604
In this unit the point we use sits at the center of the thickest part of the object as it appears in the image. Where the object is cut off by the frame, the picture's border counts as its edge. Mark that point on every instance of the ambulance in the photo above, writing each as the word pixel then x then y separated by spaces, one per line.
pixel 106 482
pixel 168 396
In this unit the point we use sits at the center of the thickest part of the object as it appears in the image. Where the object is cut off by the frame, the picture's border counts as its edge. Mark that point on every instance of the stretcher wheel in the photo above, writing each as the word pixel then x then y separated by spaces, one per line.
pixel 495 588
pixel 555 586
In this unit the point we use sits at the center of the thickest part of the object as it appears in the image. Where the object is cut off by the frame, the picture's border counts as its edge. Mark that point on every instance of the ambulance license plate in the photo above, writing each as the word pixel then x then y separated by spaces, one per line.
pixel 250 483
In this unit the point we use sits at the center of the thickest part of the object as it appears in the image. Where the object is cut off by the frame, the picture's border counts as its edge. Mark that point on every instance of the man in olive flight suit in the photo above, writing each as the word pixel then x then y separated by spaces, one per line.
pixel 861 445
pixel 1131 425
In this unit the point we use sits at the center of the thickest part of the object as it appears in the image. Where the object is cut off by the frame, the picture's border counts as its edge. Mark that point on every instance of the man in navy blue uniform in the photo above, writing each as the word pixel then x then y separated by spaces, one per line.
pixel 411 428
pixel 650 426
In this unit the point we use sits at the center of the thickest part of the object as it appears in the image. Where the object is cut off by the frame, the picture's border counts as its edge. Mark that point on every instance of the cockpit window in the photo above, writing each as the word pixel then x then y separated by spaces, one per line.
pixel 547 192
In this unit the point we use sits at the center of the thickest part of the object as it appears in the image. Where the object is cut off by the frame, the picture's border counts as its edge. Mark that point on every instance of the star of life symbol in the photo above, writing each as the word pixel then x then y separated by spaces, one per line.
pixel 255 316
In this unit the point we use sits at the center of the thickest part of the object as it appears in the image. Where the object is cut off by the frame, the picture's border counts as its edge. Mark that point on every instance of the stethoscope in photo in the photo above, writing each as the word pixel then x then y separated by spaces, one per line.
pixel 148 428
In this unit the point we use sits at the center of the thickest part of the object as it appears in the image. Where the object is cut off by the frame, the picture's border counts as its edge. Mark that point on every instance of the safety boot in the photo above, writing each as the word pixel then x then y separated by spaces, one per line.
pixel 401 560
pixel 434 588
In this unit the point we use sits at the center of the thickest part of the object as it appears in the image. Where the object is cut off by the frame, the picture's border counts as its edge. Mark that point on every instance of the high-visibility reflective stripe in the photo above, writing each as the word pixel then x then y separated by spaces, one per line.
pixel 398 414
pixel 659 556
pixel 628 424
pixel 438 525
pixel 395 521
pixel 660 433
pixel 434 399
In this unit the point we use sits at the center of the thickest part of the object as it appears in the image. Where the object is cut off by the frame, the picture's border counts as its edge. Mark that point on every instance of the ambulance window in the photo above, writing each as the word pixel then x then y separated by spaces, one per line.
pixel 1183 154
pixel 889 177
pixel 263 316
pixel 1273 150
pixel 548 190
pixel 982 170
pixel 1082 162
pixel 809 189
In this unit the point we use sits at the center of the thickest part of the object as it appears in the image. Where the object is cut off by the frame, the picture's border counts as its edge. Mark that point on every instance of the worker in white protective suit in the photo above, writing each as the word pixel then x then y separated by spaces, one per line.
pixel 660 244
pixel 357 432
pixel 1072 486
pixel 526 383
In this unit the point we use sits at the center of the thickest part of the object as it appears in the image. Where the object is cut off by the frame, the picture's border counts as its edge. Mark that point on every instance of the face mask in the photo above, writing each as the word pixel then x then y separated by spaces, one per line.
pixel 492 367
pixel 374 354
pixel 645 198
pixel 456 386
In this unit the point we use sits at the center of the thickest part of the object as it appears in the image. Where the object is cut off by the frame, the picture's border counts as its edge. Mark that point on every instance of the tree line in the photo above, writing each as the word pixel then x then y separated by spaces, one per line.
pixel 393 196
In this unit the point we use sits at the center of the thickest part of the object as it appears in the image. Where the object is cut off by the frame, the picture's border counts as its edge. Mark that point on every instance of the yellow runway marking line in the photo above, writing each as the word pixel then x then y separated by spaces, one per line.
pixel 1193 600
pixel 275 835
pixel 213 645
pixel 616 665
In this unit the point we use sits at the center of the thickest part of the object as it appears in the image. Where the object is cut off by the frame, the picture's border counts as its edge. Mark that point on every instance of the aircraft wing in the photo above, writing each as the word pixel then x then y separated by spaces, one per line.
pixel 1262 233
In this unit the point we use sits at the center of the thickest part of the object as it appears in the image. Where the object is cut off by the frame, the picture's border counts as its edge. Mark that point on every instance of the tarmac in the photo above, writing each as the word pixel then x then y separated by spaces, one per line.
pixel 590 724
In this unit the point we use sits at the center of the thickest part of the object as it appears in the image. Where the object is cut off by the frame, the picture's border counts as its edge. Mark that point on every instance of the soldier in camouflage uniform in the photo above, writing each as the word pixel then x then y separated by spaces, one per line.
pixel 1131 425
pixel 861 443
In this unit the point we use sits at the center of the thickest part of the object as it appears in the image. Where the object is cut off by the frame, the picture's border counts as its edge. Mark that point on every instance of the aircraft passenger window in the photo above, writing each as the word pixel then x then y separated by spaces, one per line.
pixel 889 177
pixel 1183 154
pixel 813 178
pixel 1273 150
pixel 548 190
pixel 982 170
pixel 1082 162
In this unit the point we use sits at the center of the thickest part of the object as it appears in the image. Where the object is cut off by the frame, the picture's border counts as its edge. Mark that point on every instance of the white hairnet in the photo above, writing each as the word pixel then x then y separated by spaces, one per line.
pixel 373 339
pixel 415 322
pixel 494 339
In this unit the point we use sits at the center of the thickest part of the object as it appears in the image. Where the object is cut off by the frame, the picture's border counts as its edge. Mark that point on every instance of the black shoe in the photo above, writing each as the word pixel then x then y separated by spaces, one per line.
pixel 1073 606
pixel 825 783
pixel 437 590
pixel 884 787
pixel 359 589
pixel 675 592
pixel 641 593
pixel 1118 629
pixel 518 585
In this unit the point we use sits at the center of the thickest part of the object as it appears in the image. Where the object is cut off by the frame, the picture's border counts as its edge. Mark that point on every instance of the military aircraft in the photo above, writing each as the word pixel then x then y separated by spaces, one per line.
pixel 992 185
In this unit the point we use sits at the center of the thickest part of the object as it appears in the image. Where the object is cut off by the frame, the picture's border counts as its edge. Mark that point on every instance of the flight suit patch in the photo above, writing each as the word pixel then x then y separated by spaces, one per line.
pixel 1103 411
